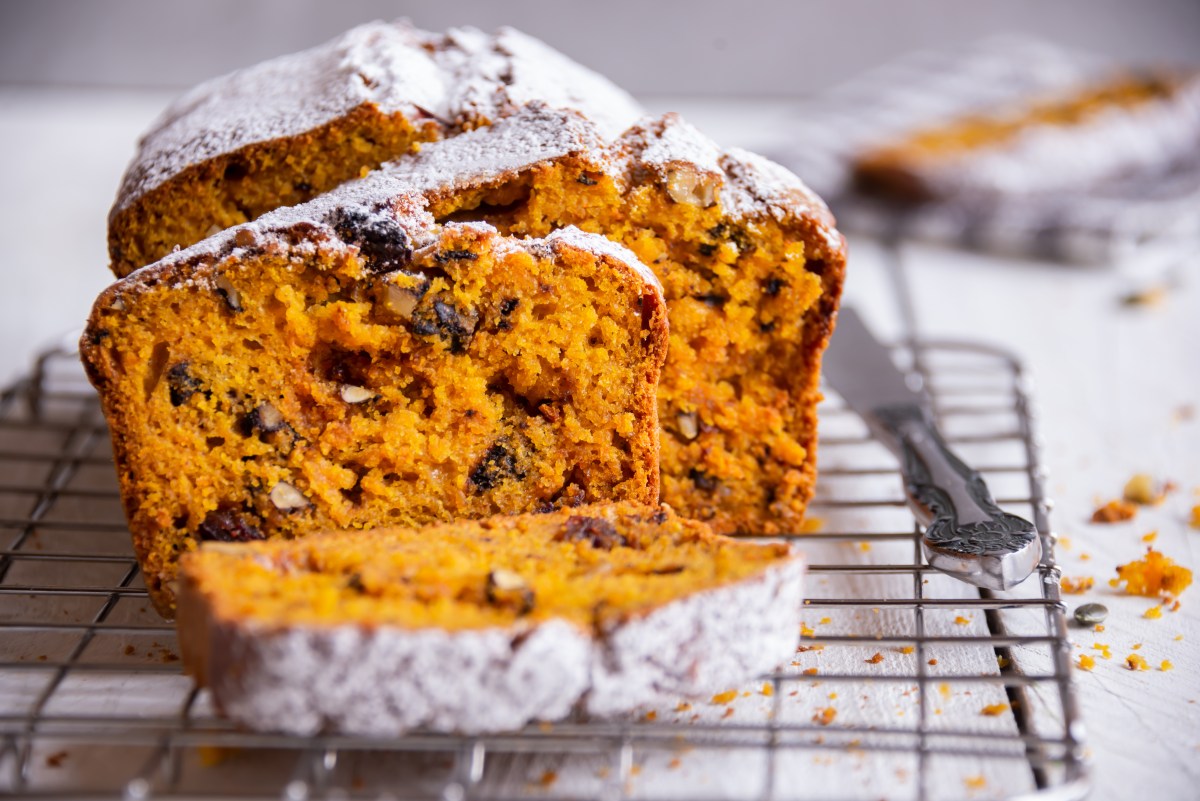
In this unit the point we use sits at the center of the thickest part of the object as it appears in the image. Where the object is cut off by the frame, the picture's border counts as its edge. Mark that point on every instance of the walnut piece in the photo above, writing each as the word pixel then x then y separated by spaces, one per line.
pixel 688 185
pixel 287 498
pixel 352 394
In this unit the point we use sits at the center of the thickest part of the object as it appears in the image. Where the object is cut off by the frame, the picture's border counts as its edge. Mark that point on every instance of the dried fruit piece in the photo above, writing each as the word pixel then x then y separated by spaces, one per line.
pixel 703 480
pixel 225 525
pixel 287 498
pixel 383 244
pixel 181 384
pixel 596 531
pixel 497 465
pixel 446 321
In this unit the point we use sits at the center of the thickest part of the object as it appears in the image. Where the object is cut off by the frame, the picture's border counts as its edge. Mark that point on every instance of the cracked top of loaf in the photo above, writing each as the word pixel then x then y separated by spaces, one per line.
pixel 691 165
pixel 460 79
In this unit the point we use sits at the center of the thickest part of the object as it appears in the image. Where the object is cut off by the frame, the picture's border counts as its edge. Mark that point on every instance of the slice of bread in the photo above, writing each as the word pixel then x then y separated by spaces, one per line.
pixel 484 625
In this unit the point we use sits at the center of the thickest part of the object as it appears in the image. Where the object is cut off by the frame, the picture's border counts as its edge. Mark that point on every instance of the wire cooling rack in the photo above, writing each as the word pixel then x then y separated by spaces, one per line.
pixel 905 684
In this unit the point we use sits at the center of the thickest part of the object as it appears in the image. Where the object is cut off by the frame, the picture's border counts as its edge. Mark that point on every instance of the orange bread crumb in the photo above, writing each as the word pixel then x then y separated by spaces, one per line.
pixel 1155 575
pixel 1136 662
pixel 825 716
pixel 992 710
pixel 725 697
pixel 1153 613
pixel 1085 662
pixel 1115 512
pixel 1076 586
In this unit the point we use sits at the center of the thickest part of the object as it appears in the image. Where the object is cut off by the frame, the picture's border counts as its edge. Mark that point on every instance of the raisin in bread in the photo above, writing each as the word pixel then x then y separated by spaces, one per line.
pixel 351 363
pixel 485 625
pixel 1070 141
pixel 281 132
pixel 752 268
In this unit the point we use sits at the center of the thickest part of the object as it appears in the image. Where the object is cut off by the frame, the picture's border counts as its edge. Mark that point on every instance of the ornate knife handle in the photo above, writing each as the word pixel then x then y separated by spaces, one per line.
pixel 966 533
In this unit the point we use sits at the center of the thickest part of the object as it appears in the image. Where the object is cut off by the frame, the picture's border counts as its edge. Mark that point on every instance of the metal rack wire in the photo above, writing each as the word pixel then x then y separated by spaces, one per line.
pixel 93 703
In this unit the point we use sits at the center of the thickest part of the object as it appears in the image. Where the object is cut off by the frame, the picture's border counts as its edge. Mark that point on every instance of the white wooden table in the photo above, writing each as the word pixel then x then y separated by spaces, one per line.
pixel 1118 387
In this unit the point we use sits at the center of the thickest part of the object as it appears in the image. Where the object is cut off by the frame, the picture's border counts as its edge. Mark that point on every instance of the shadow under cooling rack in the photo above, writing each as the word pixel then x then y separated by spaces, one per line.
pixel 905 684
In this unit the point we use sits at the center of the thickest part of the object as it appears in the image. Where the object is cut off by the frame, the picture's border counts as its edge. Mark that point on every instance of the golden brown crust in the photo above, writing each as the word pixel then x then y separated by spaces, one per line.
pixel 233 188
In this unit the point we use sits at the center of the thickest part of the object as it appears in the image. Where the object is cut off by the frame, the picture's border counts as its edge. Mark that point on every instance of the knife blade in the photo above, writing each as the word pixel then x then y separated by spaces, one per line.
pixel 966 534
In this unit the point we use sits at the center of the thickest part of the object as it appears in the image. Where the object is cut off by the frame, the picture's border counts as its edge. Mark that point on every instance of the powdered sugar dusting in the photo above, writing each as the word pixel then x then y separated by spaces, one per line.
pixel 751 186
pixel 538 72
pixel 462 77
pixel 671 139
pixel 535 134
pixel 602 246
pixel 755 183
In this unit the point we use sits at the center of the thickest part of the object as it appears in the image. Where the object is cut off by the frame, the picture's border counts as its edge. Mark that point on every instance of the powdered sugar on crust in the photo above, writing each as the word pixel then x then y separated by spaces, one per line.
pixel 534 135
pixel 601 246
pixel 754 184
pixel 462 77
pixel 387 680
pixel 671 140
pixel 747 186
pixel 704 643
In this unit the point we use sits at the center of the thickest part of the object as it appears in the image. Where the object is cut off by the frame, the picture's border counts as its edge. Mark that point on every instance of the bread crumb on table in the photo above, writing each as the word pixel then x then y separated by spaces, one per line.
pixel 1136 662
pixel 1085 662
pixel 1076 586
pixel 824 717
pixel 994 710
pixel 1155 575
pixel 1116 511
pixel 725 697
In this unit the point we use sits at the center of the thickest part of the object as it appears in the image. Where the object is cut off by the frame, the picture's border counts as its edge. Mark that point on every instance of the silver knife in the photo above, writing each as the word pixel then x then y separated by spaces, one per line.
pixel 966 534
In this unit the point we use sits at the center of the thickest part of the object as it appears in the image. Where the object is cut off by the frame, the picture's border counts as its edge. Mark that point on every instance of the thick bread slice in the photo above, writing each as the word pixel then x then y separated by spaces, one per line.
pixel 350 363
pixel 487 625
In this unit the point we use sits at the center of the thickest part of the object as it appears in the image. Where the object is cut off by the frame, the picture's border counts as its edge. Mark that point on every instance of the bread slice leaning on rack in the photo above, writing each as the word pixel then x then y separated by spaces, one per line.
pixel 486 625
pixel 351 363
pixel 284 131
